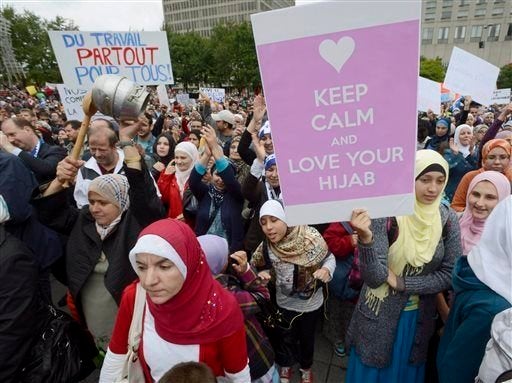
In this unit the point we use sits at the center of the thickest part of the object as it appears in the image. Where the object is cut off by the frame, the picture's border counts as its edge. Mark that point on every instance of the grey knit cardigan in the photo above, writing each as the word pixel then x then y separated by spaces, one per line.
pixel 373 335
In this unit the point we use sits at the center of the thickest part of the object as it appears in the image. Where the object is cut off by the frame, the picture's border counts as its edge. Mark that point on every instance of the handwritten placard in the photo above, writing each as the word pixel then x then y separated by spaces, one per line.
pixel 468 74
pixel 143 57
pixel 215 94
pixel 183 98
pixel 338 140
pixel 501 96
pixel 71 99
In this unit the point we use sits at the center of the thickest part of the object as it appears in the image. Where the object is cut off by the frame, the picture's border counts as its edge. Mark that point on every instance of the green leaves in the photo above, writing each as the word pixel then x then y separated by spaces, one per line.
pixel 433 69
pixel 505 77
pixel 31 44
pixel 227 58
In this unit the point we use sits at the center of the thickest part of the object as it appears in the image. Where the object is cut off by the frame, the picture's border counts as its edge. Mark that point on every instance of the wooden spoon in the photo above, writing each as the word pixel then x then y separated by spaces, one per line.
pixel 89 111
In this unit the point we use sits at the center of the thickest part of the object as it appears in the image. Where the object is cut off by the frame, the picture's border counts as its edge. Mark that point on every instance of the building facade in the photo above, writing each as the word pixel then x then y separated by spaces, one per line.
pixel 202 15
pixel 481 27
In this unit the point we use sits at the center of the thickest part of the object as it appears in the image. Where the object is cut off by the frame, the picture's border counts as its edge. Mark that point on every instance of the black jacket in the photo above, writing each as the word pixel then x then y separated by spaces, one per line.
pixel 22 313
pixel 84 246
pixel 44 166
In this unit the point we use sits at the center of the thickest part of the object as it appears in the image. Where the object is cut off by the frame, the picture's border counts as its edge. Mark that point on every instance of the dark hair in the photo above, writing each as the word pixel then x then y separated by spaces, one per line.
pixel 505 377
pixel 197 132
pixel 149 117
pixel 189 372
pixel 423 126
pixel 170 155
pixel 41 114
pixel 75 124
pixel 443 146
pixel 21 123
pixel 29 111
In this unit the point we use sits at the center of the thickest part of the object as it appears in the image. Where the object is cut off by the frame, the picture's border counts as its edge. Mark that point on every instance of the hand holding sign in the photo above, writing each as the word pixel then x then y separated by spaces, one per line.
pixel 361 222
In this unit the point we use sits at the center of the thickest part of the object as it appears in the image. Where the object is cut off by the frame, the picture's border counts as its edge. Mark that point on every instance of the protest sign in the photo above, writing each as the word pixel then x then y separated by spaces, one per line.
pixel 215 94
pixel 429 95
pixel 470 75
pixel 71 99
pixel 501 96
pixel 142 57
pixel 163 97
pixel 31 89
pixel 338 140
pixel 183 98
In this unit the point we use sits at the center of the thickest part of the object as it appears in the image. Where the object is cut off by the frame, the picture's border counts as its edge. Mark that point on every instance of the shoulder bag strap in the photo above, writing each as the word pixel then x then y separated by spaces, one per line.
pixel 136 325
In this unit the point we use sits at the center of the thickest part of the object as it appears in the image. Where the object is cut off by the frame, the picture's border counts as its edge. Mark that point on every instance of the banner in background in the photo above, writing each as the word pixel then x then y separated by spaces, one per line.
pixel 142 57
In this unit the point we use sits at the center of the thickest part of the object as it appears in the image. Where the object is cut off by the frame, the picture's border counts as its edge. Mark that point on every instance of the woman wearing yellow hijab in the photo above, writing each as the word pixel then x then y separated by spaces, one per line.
pixel 405 261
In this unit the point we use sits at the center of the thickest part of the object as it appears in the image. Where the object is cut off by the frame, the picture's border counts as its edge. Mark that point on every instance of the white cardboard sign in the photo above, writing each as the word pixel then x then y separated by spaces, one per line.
pixel 470 75
pixel 163 97
pixel 429 95
pixel 501 96
pixel 142 57
pixel 71 99
pixel 215 94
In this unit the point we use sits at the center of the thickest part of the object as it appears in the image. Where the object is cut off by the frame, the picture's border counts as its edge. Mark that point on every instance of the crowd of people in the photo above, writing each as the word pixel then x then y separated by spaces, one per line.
pixel 171 238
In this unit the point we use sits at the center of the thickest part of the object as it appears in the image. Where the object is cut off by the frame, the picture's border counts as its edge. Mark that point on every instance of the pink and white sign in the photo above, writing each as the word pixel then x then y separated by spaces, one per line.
pixel 332 73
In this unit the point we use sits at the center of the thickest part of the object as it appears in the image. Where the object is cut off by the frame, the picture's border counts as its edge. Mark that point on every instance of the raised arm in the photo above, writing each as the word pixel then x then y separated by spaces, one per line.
pixel 144 202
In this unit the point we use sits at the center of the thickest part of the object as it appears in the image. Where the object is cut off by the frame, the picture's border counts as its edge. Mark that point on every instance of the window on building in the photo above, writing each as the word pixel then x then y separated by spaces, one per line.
pixel 476 33
pixel 446 15
pixel 494 32
pixel 460 33
pixel 481 1
pixel 427 35
pixel 447 3
pixel 479 12
pixel 463 3
pixel 430 16
pixel 442 34
pixel 509 33
pixel 497 11
pixel 462 14
pixel 430 4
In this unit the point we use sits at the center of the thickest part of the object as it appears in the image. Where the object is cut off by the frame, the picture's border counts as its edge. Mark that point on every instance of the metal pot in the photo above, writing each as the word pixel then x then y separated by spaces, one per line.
pixel 119 97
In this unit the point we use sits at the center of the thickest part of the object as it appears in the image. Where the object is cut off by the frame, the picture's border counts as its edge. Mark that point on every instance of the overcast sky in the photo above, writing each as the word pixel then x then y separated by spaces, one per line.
pixel 98 15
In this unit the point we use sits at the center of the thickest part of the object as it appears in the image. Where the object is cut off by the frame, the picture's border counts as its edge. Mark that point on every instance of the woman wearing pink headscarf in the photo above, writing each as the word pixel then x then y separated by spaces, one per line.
pixel 484 193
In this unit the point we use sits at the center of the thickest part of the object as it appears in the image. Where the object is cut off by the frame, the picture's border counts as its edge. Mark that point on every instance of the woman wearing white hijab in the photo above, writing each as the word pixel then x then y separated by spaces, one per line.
pixel 174 180
pixel 482 282
pixel 461 157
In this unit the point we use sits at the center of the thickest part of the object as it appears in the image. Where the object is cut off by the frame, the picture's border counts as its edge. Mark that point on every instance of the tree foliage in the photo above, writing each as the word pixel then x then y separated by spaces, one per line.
pixel 227 58
pixel 505 77
pixel 432 69
pixel 191 57
pixel 32 46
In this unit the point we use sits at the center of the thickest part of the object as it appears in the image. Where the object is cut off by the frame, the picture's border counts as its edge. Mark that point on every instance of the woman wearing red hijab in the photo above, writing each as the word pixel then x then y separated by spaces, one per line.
pixel 188 315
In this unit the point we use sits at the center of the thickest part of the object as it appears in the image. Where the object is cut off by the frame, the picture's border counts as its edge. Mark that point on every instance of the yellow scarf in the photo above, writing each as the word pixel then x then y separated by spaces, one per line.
pixel 418 234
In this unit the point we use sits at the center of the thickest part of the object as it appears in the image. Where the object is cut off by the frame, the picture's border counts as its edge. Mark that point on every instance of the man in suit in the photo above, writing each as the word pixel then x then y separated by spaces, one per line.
pixel 19 138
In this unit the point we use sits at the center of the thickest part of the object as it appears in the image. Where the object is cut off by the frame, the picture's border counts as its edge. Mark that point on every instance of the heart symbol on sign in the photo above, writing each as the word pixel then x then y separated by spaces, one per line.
pixel 337 54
